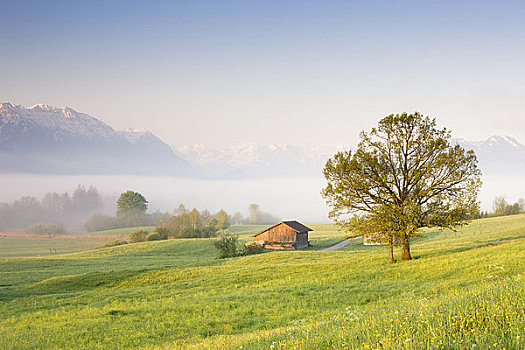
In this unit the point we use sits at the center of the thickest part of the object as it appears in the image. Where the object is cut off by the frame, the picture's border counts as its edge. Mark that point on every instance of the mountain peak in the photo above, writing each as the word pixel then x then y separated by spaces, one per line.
pixel 501 140
pixel 47 139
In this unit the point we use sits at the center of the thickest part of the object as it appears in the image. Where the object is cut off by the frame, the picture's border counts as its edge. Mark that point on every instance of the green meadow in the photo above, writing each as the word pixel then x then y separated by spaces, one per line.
pixel 464 290
pixel 121 231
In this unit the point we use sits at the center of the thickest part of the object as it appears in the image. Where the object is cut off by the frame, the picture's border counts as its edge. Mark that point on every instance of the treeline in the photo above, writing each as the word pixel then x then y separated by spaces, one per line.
pixel 58 208
pixel 194 224
pixel 255 217
pixel 500 207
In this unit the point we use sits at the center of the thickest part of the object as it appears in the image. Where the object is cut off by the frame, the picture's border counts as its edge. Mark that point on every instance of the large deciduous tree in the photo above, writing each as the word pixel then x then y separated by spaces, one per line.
pixel 131 207
pixel 404 175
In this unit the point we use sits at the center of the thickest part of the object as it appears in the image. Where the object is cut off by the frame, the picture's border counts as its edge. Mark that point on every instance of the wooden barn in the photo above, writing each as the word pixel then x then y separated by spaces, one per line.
pixel 284 235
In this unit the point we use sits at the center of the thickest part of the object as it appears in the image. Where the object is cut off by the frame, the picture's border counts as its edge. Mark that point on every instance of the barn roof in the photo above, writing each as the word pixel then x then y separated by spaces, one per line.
pixel 295 225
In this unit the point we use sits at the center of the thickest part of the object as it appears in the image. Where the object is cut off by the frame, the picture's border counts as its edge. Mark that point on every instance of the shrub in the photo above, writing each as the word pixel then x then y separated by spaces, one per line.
pixel 138 236
pixel 115 242
pixel 46 228
pixel 154 236
pixel 163 231
pixel 253 248
pixel 229 246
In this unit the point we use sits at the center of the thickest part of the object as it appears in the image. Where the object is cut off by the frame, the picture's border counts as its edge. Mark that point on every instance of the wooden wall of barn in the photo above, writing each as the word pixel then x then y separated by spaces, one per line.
pixel 281 233
pixel 302 240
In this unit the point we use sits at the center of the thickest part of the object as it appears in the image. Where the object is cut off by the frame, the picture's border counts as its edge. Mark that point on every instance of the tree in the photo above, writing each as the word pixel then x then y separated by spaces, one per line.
pixel 500 205
pixel 131 207
pixel 404 175
pixel 521 203
pixel 228 246
pixel 253 217
pixel 237 218
pixel 257 216
pixel 223 219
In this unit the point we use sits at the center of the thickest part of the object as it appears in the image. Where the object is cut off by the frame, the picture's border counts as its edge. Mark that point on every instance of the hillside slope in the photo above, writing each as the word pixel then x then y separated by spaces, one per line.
pixel 176 294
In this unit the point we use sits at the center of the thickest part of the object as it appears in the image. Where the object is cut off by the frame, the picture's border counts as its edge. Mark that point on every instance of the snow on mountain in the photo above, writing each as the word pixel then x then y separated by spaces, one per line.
pixel 48 139
pixel 62 119
pixel 255 160
pixel 497 155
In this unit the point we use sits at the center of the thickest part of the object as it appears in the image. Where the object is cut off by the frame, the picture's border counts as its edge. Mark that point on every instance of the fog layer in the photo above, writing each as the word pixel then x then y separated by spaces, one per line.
pixel 289 198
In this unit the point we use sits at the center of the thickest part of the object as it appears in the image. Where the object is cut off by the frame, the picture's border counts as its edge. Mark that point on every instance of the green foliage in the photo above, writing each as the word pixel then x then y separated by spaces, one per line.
pixel 251 248
pixel 46 228
pixel 228 246
pixel 115 242
pixel 131 208
pixel 138 236
pixel 502 207
pixel 404 173
pixel 193 224
pixel 223 220
pixel 162 231
pixel 154 236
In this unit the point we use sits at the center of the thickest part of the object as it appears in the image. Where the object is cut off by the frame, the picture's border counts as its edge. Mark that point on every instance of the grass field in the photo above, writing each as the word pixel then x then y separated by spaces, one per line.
pixel 463 290
pixel 121 231
pixel 17 246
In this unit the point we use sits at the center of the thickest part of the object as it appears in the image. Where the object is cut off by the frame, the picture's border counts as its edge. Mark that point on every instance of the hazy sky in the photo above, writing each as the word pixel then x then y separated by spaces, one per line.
pixel 226 72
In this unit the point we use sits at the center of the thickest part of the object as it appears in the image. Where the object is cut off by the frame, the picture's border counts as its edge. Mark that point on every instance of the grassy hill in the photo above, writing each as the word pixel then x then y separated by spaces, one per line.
pixel 463 290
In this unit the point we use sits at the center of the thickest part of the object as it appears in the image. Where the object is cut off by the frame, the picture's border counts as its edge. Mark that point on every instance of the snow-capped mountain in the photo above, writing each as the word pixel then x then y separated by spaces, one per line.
pixel 497 155
pixel 253 160
pixel 46 139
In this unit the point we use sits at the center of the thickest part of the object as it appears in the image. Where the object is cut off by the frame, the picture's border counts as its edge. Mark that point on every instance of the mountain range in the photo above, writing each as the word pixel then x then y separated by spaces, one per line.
pixel 46 139
pixel 497 155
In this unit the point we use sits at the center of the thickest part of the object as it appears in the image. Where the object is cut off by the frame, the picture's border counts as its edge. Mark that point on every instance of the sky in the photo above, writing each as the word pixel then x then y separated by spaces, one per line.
pixel 297 72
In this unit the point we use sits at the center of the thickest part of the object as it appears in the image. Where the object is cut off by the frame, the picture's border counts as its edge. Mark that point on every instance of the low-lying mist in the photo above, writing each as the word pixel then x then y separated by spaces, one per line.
pixel 288 198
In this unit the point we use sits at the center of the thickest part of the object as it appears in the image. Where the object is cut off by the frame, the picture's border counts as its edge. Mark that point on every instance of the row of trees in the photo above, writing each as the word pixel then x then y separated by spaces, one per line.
pixel 192 223
pixel 255 217
pixel 59 208
pixel 131 212
pixel 501 207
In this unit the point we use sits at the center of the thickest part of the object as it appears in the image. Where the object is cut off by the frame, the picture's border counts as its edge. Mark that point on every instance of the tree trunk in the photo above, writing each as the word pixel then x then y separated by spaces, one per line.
pixel 405 249
pixel 391 248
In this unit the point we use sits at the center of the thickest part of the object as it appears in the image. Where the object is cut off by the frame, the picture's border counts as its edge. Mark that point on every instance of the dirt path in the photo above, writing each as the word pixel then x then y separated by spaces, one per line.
pixel 340 244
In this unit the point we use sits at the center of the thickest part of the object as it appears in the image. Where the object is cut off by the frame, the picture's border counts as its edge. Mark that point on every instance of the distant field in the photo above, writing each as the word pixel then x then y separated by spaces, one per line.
pixel 15 246
pixel 463 290
pixel 25 246
pixel 121 231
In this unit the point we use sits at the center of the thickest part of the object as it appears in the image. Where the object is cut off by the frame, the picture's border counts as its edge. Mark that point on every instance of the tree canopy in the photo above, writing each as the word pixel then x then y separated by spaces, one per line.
pixel 131 207
pixel 405 174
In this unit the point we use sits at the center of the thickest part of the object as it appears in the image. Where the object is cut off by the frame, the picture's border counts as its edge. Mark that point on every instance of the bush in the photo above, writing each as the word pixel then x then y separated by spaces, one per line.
pixel 46 228
pixel 138 236
pixel 229 246
pixel 154 236
pixel 163 231
pixel 253 248
pixel 116 242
